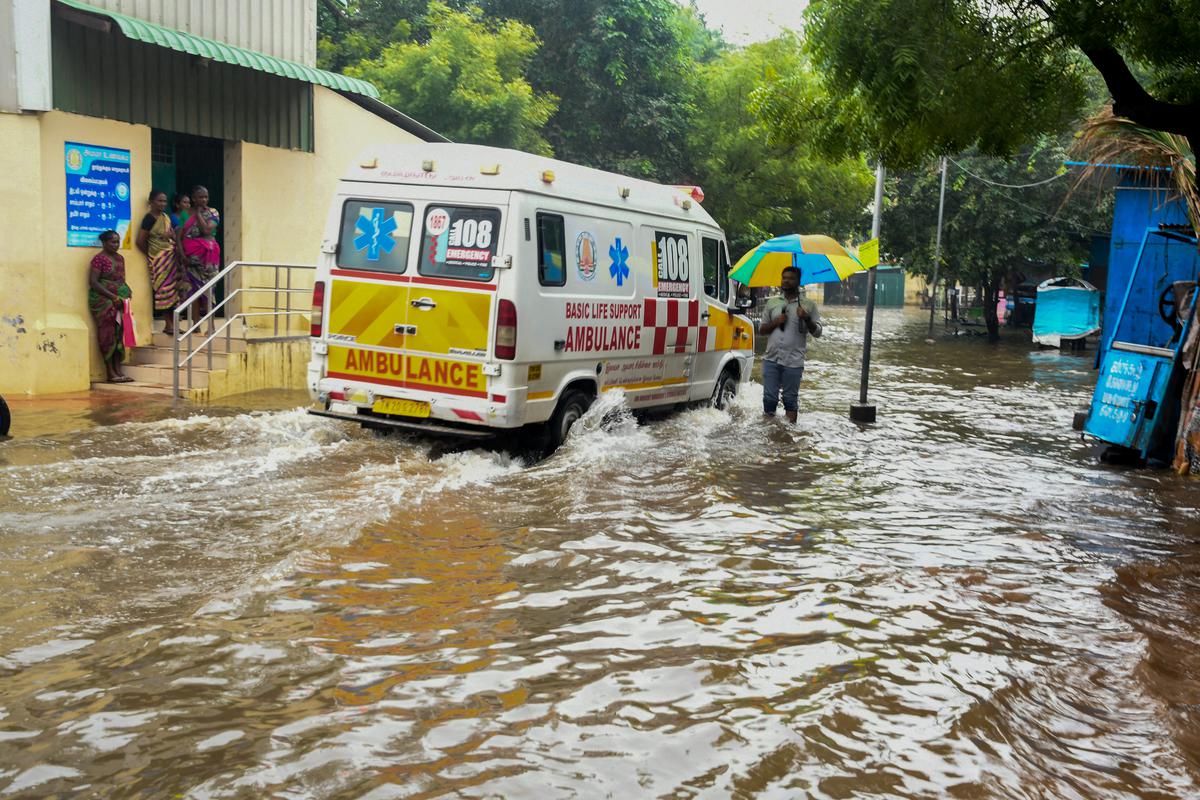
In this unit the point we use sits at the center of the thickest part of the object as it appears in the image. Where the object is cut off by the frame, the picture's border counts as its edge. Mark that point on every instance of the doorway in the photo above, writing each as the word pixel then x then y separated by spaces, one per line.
pixel 179 162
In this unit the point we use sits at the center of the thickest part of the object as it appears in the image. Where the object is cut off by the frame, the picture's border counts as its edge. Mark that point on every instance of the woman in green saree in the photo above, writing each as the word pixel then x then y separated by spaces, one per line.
pixel 106 301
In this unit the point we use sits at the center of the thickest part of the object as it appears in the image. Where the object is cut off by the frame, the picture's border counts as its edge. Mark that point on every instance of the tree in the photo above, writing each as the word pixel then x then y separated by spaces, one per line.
pixel 941 76
pixel 624 70
pixel 994 235
pixel 756 188
pixel 350 31
pixel 467 80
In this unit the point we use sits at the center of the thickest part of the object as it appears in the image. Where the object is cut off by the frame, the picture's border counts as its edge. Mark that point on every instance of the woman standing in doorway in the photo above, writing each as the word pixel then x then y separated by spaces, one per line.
pixel 202 254
pixel 181 209
pixel 106 301
pixel 157 240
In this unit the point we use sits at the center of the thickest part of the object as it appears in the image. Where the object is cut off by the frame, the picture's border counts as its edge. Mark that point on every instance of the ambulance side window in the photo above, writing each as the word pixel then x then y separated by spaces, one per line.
pixel 374 236
pixel 723 275
pixel 708 252
pixel 552 250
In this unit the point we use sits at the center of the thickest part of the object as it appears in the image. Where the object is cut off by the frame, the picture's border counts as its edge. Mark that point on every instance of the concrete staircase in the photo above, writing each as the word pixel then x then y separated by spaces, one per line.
pixel 275 361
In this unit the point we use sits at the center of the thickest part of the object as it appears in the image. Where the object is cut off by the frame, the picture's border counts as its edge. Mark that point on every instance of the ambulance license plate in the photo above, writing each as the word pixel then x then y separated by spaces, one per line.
pixel 403 408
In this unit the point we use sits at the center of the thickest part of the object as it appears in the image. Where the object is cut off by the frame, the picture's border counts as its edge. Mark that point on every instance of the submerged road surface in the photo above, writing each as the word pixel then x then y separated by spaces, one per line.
pixel 957 602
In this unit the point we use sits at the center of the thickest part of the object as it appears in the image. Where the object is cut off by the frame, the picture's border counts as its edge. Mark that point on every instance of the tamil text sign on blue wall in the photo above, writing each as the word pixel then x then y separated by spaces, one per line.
pixel 97 192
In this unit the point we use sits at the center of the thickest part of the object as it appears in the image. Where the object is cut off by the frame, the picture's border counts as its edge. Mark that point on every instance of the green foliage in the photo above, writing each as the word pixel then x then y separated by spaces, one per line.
pixel 756 188
pixel 624 70
pixel 647 90
pixel 943 76
pixel 995 236
pixel 467 80
pixel 930 76
pixel 349 31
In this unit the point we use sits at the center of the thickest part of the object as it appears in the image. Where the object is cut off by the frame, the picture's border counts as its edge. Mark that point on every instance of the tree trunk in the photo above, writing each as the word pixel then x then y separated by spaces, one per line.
pixel 991 298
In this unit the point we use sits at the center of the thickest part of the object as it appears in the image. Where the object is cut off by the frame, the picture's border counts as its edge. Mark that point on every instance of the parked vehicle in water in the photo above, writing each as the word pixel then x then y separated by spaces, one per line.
pixel 1067 312
pixel 466 290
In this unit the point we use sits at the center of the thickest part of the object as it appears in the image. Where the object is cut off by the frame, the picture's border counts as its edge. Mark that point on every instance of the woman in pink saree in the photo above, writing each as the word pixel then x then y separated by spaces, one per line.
pixel 201 253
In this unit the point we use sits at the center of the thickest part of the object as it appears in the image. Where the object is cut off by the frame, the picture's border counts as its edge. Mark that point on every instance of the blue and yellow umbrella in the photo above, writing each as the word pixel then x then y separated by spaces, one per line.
pixel 820 260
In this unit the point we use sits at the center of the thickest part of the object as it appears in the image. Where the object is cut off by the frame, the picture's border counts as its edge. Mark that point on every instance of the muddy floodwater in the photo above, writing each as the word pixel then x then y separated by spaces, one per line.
pixel 247 602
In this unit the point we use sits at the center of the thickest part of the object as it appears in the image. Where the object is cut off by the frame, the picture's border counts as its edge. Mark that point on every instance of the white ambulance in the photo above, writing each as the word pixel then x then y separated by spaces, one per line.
pixel 465 289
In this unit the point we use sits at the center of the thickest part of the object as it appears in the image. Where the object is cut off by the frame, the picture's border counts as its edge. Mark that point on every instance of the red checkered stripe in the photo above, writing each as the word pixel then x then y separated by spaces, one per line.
pixel 668 320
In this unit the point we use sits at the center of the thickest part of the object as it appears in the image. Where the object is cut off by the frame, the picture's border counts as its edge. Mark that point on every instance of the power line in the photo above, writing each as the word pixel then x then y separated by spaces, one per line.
pixel 1051 217
pixel 1007 185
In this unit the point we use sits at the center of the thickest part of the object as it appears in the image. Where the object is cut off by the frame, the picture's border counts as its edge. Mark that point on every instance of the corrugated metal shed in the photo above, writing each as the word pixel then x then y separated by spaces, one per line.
pixel 281 28
pixel 105 74
pixel 152 33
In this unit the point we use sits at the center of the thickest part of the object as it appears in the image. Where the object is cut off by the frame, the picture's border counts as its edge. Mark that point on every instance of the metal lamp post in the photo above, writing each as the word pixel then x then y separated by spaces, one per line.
pixel 862 411
pixel 937 250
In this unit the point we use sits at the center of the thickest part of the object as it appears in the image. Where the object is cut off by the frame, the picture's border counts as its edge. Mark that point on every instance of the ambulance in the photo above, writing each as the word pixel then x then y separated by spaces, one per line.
pixel 469 290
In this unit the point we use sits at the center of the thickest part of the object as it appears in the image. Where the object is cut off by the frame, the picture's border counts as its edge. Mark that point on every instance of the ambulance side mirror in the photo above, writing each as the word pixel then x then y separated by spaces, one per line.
pixel 741 304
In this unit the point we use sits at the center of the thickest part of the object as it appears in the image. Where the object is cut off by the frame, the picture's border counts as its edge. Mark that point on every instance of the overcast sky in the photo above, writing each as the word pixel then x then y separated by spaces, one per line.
pixel 747 21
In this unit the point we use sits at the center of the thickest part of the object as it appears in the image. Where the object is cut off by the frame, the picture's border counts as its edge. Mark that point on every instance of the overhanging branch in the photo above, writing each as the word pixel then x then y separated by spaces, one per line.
pixel 1132 101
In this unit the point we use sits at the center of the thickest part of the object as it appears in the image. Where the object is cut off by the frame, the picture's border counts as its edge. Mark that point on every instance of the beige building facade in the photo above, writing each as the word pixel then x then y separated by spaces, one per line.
pixel 270 140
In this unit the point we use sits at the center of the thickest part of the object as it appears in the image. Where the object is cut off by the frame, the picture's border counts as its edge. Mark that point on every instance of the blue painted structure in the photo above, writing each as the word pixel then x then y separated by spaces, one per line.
pixel 1135 404
pixel 1143 201
pixel 1066 309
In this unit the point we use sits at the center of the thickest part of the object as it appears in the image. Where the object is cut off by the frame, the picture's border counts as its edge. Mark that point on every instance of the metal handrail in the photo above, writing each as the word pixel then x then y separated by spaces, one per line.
pixel 206 291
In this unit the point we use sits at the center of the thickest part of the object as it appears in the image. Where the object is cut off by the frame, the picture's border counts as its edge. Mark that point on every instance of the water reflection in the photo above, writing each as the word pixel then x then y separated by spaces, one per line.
pixel 956 602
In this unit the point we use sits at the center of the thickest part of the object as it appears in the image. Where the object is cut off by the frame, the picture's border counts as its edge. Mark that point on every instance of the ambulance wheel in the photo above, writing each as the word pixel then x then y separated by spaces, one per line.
pixel 573 405
pixel 725 390
pixel 5 418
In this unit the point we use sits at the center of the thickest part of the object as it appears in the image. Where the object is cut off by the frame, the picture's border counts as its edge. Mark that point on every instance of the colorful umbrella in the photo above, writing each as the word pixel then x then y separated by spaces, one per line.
pixel 820 259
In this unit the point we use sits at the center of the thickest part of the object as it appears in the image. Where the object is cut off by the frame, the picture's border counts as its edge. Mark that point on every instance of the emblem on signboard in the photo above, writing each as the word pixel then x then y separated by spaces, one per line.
pixel 122 191
pixel 437 220
pixel 619 268
pixel 374 233
pixel 74 159
pixel 585 255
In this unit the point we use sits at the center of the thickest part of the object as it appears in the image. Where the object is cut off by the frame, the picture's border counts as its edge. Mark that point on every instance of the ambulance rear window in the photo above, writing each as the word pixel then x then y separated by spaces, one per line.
pixel 459 242
pixel 375 236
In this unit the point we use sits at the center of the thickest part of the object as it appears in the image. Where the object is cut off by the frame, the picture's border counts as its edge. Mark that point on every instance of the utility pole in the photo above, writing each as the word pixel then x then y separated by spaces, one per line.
pixel 937 249
pixel 862 411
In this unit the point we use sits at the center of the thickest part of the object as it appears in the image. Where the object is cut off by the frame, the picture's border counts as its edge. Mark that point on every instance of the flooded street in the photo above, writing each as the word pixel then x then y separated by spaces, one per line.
pixel 957 602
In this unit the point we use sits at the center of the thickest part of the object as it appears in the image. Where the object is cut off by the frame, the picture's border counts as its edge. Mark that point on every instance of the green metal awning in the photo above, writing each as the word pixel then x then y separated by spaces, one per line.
pixel 153 34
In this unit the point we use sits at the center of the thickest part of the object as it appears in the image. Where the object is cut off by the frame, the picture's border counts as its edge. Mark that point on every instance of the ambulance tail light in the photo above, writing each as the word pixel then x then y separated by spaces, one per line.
pixel 318 310
pixel 506 331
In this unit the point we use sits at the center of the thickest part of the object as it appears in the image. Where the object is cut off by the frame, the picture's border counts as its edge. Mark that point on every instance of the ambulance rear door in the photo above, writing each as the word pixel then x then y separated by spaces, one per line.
pixel 452 297
pixel 368 292
pixel 412 295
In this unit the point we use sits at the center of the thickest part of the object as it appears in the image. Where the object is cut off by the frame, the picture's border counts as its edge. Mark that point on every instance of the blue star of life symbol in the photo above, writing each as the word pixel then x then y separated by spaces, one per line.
pixel 374 233
pixel 619 268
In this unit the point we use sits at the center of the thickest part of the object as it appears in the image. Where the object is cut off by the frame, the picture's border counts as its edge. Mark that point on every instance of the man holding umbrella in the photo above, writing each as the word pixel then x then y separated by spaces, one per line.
pixel 788 320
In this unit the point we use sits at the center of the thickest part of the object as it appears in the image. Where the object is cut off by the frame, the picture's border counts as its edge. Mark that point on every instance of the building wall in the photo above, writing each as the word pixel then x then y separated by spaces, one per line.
pixel 284 195
pixel 280 28
pixel 24 55
pixel 277 204
pixel 47 336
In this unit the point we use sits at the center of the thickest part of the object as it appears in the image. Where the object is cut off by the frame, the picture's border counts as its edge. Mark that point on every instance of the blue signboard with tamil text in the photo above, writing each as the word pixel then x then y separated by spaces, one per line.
pixel 97 192
pixel 1128 394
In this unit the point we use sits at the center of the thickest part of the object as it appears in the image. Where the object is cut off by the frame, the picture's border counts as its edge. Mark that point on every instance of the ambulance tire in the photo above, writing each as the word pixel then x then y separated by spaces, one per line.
pixel 5 418
pixel 725 390
pixel 573 405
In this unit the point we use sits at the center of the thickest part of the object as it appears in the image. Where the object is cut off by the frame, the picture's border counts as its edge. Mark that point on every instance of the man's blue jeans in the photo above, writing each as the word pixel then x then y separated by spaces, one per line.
pixel 778 378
